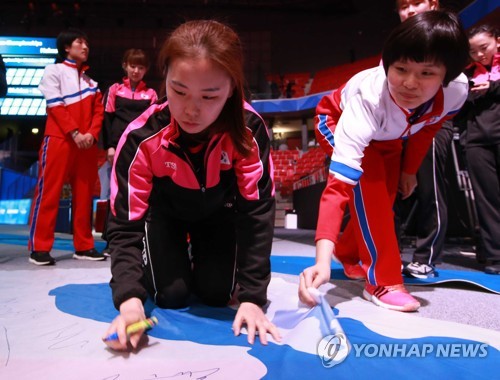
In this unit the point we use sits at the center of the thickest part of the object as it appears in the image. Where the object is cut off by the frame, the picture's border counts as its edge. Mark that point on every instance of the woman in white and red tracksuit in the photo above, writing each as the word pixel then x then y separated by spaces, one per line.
pixel 197 167
pixel 68 151
pixel 364 124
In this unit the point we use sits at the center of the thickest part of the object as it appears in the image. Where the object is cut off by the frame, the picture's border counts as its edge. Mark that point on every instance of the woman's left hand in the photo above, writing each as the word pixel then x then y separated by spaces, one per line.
pixel 256 321
pixel 407 184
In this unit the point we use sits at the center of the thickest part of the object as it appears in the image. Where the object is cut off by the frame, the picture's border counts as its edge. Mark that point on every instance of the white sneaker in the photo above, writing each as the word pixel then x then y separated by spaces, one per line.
pixel 418 270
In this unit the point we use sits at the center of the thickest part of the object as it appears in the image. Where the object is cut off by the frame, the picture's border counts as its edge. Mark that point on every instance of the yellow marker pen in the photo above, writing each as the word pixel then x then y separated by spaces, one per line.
pixel 145 324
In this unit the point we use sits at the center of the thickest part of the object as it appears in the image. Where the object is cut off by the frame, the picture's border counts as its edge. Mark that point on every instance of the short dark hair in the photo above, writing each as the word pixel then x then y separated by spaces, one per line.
pixel 484 28
pixel 66 38
pixel 434 36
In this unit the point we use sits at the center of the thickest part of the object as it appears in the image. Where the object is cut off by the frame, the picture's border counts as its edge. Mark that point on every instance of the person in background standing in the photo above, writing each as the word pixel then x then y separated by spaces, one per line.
pixel 123 103
pixel 432 206
pixel 68 151
pixel 480 121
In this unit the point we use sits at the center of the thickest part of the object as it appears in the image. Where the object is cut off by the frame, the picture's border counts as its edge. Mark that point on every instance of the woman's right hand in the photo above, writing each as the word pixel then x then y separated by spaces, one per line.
pixel 131 311
pixel 314 277
pixel 111 155
pixel 319 273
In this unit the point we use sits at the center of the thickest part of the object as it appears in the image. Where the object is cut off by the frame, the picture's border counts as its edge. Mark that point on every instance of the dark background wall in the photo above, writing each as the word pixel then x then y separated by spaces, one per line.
pixel 278 36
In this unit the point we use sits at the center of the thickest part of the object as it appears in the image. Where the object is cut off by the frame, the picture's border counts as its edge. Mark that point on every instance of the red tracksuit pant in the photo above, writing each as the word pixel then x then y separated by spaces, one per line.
pixel 369 235
pixel 60 160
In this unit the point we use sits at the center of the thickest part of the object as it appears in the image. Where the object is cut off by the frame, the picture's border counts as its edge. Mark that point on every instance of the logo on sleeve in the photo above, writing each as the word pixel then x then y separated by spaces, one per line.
pixel 171 165
pixel 224 158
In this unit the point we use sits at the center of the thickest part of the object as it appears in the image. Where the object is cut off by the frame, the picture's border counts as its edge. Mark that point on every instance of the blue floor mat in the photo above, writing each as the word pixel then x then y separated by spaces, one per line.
pixel 284 361
pixel 296 264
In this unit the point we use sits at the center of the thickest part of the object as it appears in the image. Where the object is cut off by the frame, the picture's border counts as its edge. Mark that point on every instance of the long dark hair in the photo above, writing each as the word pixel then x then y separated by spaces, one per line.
pixel 219 43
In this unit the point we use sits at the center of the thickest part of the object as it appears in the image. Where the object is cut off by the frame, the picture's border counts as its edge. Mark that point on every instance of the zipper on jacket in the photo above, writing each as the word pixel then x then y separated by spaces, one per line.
pixel 186 158
pixel 202 180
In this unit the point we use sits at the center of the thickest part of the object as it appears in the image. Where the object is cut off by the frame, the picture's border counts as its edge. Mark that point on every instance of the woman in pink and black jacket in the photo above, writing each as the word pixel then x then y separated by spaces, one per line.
pixel 123 103
pixel 195 167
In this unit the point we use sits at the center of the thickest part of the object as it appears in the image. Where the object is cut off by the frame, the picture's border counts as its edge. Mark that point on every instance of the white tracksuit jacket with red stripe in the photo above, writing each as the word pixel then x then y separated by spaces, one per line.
pixel 74 102
pixel 362 117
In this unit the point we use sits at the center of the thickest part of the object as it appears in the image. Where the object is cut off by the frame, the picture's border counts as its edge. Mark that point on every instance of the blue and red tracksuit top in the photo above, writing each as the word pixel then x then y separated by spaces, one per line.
pixel 73 100
pixel 152 170
pixel 122 105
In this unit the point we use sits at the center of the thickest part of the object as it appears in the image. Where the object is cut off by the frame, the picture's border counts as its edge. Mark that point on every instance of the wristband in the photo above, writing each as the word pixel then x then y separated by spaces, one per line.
pixel 74 133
